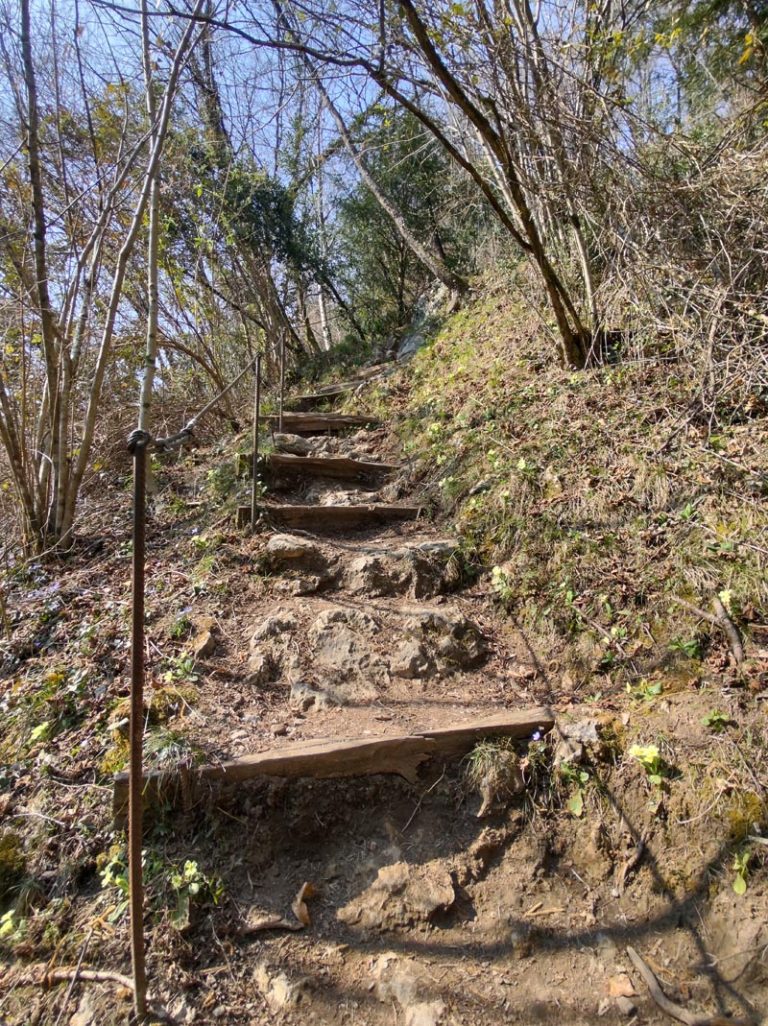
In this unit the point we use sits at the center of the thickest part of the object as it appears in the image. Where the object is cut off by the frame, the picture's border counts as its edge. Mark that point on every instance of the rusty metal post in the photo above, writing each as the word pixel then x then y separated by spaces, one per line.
pixel 255 445
pixel 137 446
pixel 282 383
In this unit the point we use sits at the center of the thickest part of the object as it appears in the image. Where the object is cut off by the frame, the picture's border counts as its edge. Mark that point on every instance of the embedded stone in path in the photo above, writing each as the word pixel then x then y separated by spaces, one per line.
pixel 341 644
pixel 401 895
pixel 421 569
pixel 310 697
pixel 447 641
pixel 288 552
pixel 294 444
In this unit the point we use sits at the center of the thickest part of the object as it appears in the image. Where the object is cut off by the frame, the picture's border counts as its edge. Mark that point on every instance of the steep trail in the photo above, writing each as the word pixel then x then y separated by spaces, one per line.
pixel 351 622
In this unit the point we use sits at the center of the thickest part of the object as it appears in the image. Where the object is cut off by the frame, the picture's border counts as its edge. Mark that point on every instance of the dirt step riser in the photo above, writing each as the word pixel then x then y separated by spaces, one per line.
pixel 320 423
pixel 338 468
pixel 322 519
pixel 401 755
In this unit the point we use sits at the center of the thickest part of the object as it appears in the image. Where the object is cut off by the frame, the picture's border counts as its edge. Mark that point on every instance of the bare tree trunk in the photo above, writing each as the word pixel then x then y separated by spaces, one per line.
pixel 76 478
pixel 47 319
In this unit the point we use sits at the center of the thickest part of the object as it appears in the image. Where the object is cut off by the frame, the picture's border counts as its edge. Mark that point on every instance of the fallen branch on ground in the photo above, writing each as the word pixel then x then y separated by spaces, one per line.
pixel 677 1011
pixel 719 619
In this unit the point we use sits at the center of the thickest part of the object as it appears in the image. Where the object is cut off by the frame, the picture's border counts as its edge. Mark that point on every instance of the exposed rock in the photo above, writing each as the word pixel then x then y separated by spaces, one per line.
pixel 567 750
pixel 304 697
pixel 425 1013
pixel 273 626
pixel 205 639
pixel 421 570
pixel 288 550
pixel 456 642
pixel 305 585
pixel 411 661
pixel 263 668
pixel 400 896
pixel 739 940
pixel 626 1006
pixel 370 575
pixel 278 990
pixel 87 1013
pixel 294 444
pixel 340 642
pixel 585 732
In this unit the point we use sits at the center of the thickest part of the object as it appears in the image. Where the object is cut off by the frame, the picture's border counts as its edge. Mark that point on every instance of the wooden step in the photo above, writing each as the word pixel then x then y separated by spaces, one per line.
pixel 392 754
pixel 315 400
pixel 321 423
pixel 320 519
pixel 324 393
pixel 340 468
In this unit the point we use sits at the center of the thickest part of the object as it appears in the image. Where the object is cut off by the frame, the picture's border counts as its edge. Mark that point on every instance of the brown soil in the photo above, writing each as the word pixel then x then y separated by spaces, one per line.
pixel 421 913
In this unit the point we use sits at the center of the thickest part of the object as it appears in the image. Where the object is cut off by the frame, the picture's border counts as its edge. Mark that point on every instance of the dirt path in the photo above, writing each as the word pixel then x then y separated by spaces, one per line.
pixel 501 888
pixel 422 914
pixel 349 632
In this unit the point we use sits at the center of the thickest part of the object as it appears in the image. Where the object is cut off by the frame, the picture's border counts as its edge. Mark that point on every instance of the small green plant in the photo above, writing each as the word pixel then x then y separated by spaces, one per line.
pixel 168 748
pixel 205 543
pixel 741 869
pixel 527 471
pixel 168 885
pixel 181 627
pixel 12 927
pixel 644 691
pixel 717 721
pixel 181 668
pixel 189 885
pixel 652 762
pixel 689 647
pixel 501 584
pixel 578 778
pixel 221 481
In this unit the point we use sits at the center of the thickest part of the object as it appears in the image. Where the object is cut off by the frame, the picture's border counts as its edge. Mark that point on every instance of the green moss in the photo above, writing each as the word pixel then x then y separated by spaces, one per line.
pixel 746 811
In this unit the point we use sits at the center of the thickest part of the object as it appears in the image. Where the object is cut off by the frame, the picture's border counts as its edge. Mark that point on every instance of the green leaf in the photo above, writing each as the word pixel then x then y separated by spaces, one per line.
pixel 576 804
pixel 41 731
pixel 740 885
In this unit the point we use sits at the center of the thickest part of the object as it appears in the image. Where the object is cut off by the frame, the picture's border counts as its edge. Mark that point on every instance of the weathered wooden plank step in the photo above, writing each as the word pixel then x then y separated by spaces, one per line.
pixel 321 423
pixel 340 468
pixel 330 518
pixel 389 754
pixel 324 393
pixel 361 378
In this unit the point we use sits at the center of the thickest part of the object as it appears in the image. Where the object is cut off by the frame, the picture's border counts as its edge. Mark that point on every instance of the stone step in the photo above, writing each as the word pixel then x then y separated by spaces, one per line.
pixel 321 423
pixel 340 468
pixel 397 754
pixel 321 519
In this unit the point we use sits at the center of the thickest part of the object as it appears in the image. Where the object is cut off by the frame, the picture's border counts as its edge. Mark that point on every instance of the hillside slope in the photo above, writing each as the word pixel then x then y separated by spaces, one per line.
pixel 609 558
